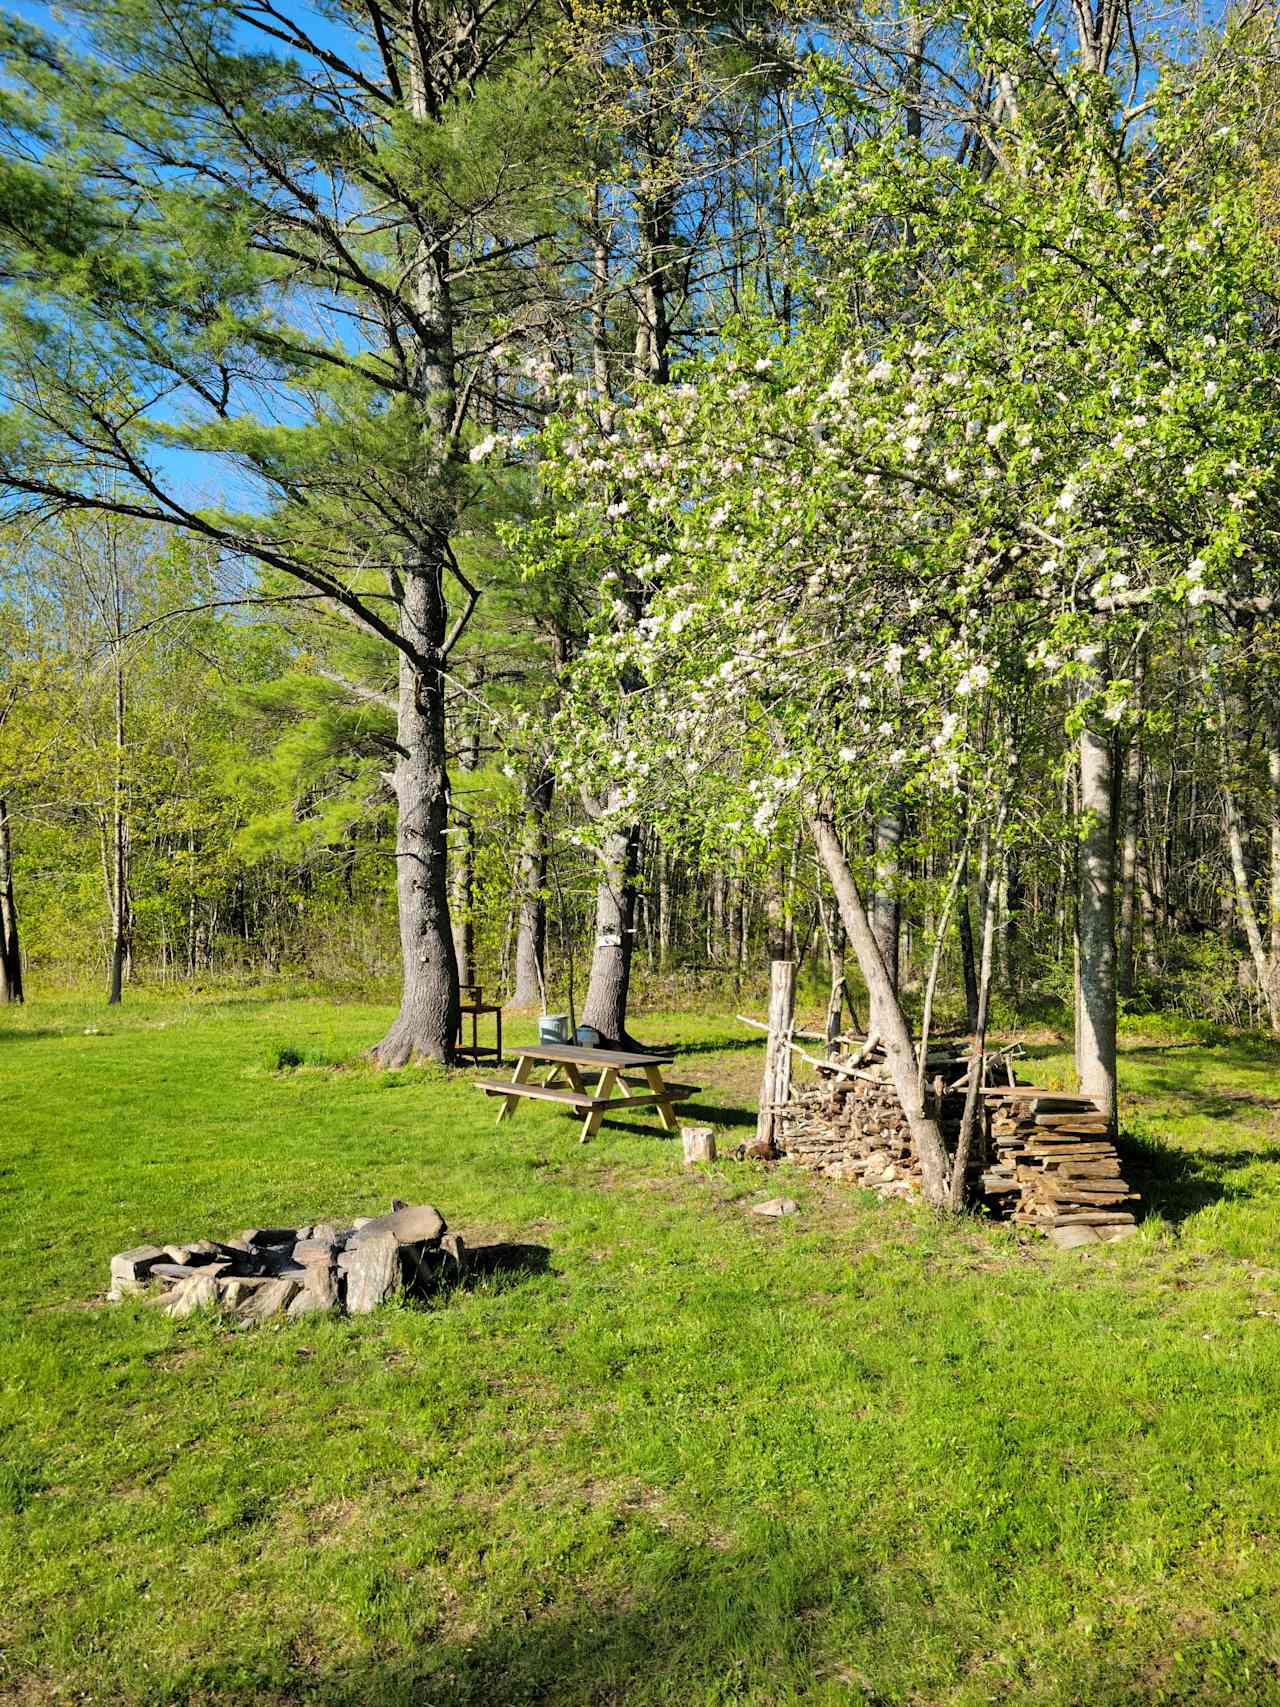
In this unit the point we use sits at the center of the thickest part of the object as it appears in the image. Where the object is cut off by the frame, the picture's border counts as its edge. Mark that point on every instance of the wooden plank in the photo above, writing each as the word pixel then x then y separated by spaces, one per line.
pixel 523 1069
pixel 514 1090
pixel 582 1057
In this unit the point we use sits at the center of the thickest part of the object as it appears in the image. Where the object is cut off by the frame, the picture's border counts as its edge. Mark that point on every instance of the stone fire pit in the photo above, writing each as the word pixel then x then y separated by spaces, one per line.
pixel 294 1271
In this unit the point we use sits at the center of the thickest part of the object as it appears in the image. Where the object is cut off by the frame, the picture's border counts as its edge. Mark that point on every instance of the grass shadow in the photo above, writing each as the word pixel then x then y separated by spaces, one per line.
pixel 1176 1184
pixel 510 1261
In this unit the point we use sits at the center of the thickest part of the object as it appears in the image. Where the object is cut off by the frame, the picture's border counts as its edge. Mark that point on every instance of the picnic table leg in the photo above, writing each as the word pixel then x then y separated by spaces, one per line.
pixel 604 1089
pixel 664 1105
pixel 524 1067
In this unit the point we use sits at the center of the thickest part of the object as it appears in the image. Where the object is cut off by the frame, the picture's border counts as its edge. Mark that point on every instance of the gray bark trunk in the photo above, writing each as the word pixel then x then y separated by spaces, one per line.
pixel 118 881
pixel 606 1005
pixel 10 949
pixel 427 1023
pixel 531 923
pixel 888 1016
pixel 1273 885
pixel 1130 810
pixel 1096 967
pixel 1262 965
pixel 886 907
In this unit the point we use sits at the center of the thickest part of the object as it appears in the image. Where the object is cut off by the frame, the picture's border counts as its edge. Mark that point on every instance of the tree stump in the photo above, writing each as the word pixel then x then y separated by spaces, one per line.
pixel 699 1144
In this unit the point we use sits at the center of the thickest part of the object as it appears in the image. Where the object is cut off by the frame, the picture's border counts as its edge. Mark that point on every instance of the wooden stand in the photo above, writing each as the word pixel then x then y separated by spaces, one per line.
pixel 474 1004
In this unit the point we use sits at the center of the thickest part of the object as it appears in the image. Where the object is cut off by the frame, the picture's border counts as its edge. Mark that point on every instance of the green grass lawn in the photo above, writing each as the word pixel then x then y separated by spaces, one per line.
pixel 677 1453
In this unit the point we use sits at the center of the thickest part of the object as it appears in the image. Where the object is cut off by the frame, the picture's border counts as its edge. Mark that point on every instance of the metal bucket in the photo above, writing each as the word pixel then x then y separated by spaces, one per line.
pixel 553 1028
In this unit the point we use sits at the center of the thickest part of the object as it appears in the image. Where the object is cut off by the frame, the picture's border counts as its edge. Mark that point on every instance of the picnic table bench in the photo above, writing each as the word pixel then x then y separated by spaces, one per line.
pixel 613 1090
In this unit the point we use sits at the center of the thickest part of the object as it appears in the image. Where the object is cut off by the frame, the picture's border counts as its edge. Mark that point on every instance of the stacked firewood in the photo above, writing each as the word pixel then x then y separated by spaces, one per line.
pixel 850 1125
pixel 1054 1162
pixel 1040 1157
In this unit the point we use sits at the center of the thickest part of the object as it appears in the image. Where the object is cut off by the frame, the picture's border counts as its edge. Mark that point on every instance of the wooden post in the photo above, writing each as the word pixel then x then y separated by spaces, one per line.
pixel 776 1087
pixel 699 1144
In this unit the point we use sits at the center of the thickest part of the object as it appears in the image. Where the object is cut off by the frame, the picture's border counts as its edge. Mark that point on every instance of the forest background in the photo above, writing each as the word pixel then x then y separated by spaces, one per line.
pixel 489 488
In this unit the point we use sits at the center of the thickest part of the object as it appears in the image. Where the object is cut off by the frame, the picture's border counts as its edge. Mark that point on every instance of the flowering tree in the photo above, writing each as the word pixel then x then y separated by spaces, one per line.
pixel 875 552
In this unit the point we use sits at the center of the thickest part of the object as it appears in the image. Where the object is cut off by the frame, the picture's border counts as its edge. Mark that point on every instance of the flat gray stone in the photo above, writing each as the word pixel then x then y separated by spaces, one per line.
pixel 322 1283
pixel 308 1303
pixel 373 1273
pixel 330 1232
pixel 417 1224
pixel 311 1251
pixel 1068 1238
pixel 130 1268
pixel 1109 1235
pixel 270 1299
pixel 776 1206
pixel 196 1294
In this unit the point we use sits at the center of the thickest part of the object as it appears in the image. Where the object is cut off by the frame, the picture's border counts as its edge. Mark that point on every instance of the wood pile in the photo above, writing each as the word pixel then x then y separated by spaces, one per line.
pixel 1054 1162
pixel 850 1124
pixel 1041 1157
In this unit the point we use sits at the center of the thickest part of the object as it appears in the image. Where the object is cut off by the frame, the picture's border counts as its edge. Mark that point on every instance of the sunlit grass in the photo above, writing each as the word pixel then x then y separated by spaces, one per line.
pixel 680 1453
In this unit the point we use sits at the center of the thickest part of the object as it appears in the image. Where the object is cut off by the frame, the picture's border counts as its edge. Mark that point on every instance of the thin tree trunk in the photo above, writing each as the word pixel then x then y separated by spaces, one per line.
pixel 967 958
pixel 1130 814
pixel 1273 885
pixel 606 1005
pixel 531 924
pixel 716 944
pixel 886 907
pixel 1240 876
pixel 10 948
pixel 461 905
pixel 119 884
pixel 888 1017
pixel 664 908
pixel 1096 970
pixel 989 888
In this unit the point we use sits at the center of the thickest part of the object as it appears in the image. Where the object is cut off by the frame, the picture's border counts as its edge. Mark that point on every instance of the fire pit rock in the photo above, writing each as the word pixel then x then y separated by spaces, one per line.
pixel 272 1271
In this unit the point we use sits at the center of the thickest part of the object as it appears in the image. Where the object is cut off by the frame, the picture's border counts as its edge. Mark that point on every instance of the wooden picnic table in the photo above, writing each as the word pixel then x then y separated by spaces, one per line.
pixel 612 1090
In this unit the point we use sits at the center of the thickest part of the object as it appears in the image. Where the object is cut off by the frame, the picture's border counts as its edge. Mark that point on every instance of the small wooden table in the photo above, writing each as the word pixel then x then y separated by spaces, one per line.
pixel 569 1060
pixel 474 1004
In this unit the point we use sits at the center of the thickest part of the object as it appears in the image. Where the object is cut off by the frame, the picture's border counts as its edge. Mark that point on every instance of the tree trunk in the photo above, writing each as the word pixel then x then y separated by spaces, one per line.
pixel 10 950
pixel 427 1023
pixel 1130 812
pixel 119 879
pixel 1096 968
pixel 464 875
pixel 664 907
pixel 737 934
pixel 1240 874
pixel 888 1016
pixel 606 1005
pixel 1273 885
pixel 716 942
pixel 989 888
pixel 777 941
pixel 967 960
pixel 531 925
pixel 886 907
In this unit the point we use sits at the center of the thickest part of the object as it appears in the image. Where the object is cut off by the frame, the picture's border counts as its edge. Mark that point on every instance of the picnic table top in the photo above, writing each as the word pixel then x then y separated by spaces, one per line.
pixel 581 1056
